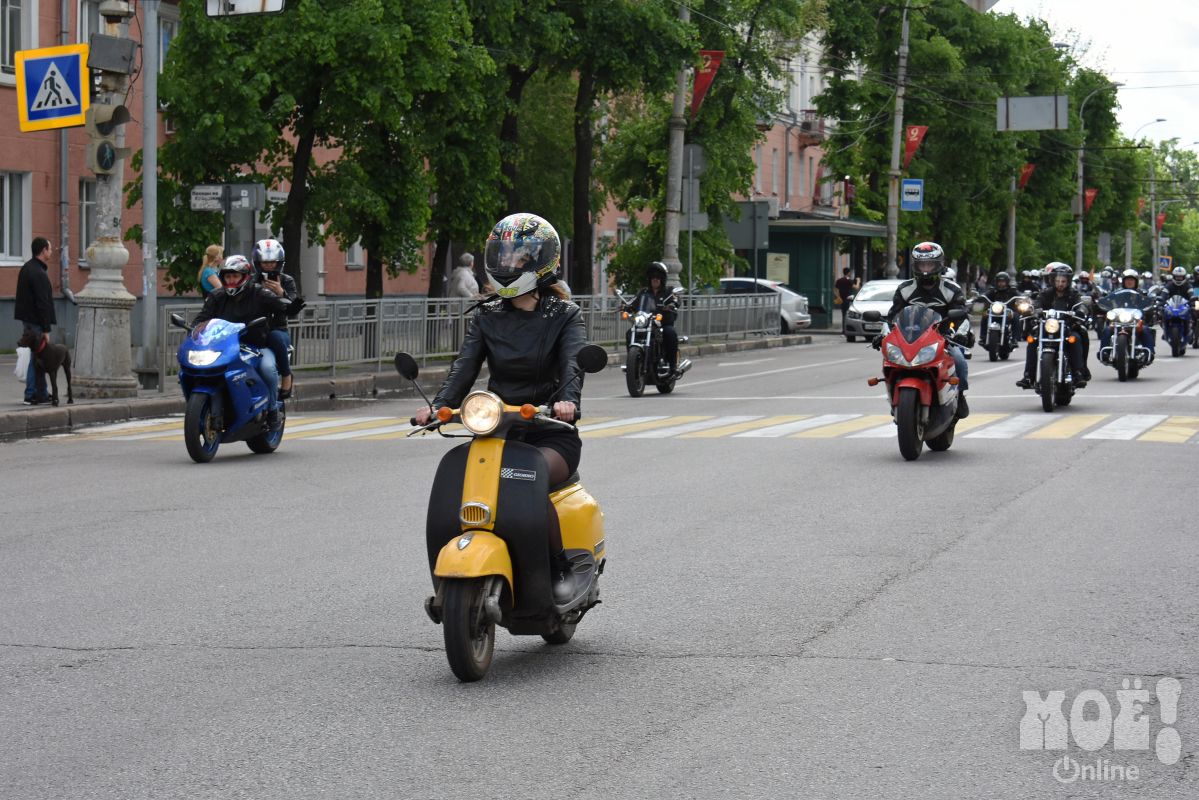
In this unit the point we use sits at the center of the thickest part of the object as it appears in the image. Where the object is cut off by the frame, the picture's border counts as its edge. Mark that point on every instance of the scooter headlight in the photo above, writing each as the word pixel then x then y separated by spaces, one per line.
pixel 926 354
pixel 1124 316
pixel 202 358
pixel 996 308
pixel 481 412
pixel 1052 326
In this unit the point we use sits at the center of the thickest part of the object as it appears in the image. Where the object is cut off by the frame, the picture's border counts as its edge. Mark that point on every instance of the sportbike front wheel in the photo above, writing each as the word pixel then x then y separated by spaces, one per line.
pixel 910 427
pixel 201 430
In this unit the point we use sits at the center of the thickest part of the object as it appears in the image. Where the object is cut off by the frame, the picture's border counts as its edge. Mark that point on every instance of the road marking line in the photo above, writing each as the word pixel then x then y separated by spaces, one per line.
pixel 972 374
pixel 744 363
pixel 797 426
pixel 1012 427
pixel 729 430
pixel 599 426
pixel 619 430
pixel 1181 386
pixel 1068 427
pixel 885 431
pixel 336 426
pixel 143 424
pixel 770 372
pixel 675 430
pixel 840 429
pixel 1127 427
pixel 1176 429
pixel 976 421
pixel 354 434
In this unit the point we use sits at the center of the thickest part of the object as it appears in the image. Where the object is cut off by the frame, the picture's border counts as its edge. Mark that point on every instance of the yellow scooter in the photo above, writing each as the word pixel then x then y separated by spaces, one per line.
pixel 486 529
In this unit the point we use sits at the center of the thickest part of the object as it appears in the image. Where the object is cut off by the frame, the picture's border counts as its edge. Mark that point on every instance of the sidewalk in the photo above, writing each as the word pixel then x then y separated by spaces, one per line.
pixel 313 390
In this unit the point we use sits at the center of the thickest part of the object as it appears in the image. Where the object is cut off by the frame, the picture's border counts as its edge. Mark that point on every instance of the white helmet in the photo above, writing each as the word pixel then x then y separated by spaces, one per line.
pixel 1179 275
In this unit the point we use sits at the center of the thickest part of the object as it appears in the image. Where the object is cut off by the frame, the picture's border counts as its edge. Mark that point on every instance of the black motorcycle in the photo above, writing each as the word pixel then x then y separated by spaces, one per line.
pixel 1053 332
pixel 1000 326
pixel 645 360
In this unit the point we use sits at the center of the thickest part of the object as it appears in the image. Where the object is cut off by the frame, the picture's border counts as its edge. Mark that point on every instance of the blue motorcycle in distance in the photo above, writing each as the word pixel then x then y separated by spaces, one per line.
pixel 227 398
pixel 1176 324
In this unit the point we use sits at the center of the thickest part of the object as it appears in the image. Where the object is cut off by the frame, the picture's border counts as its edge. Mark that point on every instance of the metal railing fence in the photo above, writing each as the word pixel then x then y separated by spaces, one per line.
pixel 333 334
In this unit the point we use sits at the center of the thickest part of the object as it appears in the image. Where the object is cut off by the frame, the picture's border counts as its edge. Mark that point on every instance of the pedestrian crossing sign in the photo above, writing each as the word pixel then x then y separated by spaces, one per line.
pixel 52 87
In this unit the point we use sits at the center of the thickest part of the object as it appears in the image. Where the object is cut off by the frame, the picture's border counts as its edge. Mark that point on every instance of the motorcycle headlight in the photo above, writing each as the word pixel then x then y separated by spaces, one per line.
pixel 1052 326
pixel 1137 313
pixel 926 354
pixel 481 412
pixel 202 358
pixel 1124 316
pixel 641 320
pixel 996 308
pixel 1023 306
pixel 1111 314
pixel 894 354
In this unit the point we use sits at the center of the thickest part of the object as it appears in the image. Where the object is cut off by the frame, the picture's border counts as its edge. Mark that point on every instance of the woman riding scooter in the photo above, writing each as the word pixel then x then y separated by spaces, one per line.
pixel 530 335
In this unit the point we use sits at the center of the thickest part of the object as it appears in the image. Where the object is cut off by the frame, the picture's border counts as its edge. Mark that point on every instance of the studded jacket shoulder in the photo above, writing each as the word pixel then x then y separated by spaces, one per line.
pixel 529 354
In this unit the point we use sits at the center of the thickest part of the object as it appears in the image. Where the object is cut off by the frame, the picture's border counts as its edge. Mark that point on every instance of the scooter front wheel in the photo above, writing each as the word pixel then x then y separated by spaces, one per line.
pixel 201 432
pixel 469 634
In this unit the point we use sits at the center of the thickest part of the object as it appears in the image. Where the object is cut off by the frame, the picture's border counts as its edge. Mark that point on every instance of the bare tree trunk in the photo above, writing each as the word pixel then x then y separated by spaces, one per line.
pixel 509 136
pixel 437 276
pixel 581 247
pixel 297 199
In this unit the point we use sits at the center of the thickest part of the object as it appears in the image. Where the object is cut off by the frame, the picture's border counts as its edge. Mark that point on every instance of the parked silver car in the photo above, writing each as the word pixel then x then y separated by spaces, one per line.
pixel 794 311
pixel 873 296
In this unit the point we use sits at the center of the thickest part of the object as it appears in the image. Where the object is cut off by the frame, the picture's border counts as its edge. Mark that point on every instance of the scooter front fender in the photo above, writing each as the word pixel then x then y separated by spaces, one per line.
pixel 483 554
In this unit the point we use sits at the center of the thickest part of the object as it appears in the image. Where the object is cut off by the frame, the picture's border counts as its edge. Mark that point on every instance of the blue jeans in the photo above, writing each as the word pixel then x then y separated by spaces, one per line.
pixel 278 340
pixel 35 384
pixel 270 374
pixel 959 363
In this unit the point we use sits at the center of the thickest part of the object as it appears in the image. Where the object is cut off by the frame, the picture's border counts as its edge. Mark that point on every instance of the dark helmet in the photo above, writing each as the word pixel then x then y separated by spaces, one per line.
pixel 928 262
pixel 235 274
pixel 523 253
pixel 268 250
pixel 656 270
pixel 1002 276
pixel 1058 269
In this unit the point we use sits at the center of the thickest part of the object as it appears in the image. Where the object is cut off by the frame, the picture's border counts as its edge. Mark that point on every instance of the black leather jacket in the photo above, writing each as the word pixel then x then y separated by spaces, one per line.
pixel 941 296
pixel 529 354
pixel 666 301
pixel 1171 288
pixel 1002 295
pixel 279 319
pixel 253 302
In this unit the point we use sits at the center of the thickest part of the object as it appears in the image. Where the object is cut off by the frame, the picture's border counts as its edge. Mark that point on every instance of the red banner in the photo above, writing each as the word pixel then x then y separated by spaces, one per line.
pixel 913 136
pixel 1089 194
pixel 703 78
pixel 1026 173
pixel 1161 220
pixel 1140 205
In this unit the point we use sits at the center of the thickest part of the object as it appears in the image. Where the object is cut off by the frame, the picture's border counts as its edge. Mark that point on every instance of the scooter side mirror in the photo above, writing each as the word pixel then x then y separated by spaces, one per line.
pixel 178 321
pixel 591 358
pixel 407 367
pixel 956 314
pixel 872 316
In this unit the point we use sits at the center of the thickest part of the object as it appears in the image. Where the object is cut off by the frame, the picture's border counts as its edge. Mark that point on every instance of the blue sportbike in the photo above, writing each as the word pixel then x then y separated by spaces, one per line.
pixel 1176 324
pixel 227 398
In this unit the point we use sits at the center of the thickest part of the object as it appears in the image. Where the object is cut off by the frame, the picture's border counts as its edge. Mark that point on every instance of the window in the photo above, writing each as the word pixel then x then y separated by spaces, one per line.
pixel 774 171
pixel 18 31
pixel 14 216
pixel 168 29
pixel 354 256
pixel 89 19
pixel 87 216
pixel 758 171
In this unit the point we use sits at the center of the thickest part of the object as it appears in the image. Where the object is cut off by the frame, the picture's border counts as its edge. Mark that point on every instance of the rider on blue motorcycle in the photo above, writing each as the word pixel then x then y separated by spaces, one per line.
pixel 929 289
pixel 242 300
pixel 1130 281
pixel 1060 296
pixel 1177 285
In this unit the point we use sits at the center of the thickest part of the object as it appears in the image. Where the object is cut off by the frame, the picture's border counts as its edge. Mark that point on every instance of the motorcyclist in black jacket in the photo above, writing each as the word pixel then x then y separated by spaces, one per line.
pixel 667 304
pixel 1000 292
pixel 1178 284
pixel 929 289
pixel 268 259
pixel 529 338
pixel 242 300
pixel 1061 296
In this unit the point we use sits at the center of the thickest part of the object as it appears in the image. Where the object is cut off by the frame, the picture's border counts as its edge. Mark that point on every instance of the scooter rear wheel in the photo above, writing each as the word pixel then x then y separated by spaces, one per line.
pixel 201 433
pixel 469 634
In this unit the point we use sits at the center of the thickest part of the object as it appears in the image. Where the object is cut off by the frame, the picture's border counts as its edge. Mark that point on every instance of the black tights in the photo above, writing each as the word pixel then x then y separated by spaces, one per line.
pixel 558 473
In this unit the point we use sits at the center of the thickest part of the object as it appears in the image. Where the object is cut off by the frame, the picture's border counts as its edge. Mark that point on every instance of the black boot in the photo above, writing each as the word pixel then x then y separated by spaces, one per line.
pixel 1025 382
pixel 963 406
pixel 564 579
pixel 273 420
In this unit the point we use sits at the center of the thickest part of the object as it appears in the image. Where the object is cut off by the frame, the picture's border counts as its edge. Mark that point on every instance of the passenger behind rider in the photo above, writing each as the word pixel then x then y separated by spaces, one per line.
pixel 529 339
pixel 929 289
pixel 242 300
pixel 268 258
pixel 1061 296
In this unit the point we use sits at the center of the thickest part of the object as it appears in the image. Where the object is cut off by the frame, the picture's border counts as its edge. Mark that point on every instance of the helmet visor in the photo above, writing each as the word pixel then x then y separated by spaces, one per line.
pixel 928 266
pixel 507 258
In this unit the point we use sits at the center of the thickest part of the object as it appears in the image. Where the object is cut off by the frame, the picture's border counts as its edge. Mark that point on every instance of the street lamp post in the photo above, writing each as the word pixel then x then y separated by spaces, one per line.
pixel 1081 153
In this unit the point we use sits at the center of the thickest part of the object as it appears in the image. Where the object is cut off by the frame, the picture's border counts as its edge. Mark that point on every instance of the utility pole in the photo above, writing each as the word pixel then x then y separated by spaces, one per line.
pixel 103 364
pixel 674 171
pixel 150 56
pixel 892 265
pixel 1153 210
pixel 1011 232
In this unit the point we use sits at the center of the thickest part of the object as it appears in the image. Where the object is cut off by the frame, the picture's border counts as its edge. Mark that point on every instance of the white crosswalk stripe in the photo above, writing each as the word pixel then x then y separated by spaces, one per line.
pixel 1127 427
pixel 795 427
pixel 1012 427
pixel 702 425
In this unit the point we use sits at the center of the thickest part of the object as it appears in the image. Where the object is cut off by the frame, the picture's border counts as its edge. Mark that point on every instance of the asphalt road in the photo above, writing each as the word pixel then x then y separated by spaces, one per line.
pixel 790 609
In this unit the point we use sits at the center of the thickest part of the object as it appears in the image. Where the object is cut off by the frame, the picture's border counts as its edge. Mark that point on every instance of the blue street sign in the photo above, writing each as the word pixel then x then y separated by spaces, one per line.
pixel 911 194
pixel 52 87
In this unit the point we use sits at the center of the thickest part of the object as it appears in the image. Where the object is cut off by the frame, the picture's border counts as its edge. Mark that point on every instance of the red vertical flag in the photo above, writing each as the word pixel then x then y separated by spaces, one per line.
pixel 1026 173
pixel 1089 194
pixel 913 136
pixel 1140 205
pixel 1161 220
pixel 703 78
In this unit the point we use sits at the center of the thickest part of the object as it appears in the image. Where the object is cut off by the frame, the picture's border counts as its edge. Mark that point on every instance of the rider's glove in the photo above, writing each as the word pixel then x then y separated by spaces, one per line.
pixel 296 307
pixel 877 342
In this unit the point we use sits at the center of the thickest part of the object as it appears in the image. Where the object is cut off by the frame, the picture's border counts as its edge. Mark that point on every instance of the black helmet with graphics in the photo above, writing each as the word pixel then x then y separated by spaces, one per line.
pixel 928 262
pixel 523 253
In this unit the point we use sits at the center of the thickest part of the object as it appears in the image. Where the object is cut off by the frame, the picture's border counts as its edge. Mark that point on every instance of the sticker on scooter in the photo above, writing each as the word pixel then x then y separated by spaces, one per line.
pixel 518 474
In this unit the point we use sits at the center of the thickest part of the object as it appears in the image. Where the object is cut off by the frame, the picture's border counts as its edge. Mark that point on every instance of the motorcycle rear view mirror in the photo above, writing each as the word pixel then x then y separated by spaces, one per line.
pixel 872 316
pixel 591 358
pixel 179 322
pixel 406 366
pixel 956 314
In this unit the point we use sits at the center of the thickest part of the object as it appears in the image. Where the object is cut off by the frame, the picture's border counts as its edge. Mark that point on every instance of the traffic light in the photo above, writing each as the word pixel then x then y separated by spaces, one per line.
pixel 101 123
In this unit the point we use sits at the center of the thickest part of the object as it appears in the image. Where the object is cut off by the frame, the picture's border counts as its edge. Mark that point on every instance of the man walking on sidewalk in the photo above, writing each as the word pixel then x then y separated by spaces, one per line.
pixel 845 286
pixel 35 308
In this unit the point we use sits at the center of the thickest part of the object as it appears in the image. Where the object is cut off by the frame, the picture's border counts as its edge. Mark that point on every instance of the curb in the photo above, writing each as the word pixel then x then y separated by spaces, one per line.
pixel 326 393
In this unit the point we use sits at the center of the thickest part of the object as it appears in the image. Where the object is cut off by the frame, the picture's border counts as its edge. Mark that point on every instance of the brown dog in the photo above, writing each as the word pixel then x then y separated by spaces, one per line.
pixel 47 358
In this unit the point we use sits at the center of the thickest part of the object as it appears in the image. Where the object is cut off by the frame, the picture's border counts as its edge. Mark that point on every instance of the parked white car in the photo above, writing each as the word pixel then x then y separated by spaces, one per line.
pixel 873 296
pixel 794 312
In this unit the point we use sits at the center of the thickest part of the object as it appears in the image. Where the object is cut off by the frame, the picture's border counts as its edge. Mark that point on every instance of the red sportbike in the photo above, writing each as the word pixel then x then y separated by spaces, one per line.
pixel 921 378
